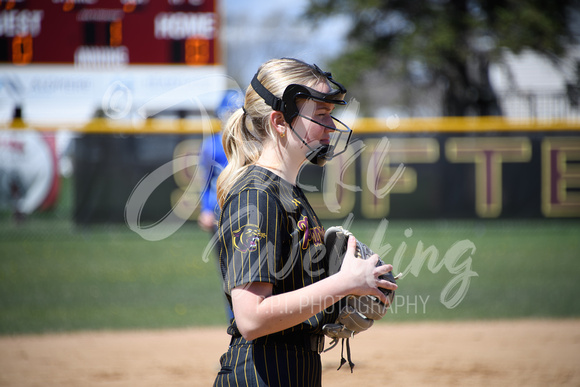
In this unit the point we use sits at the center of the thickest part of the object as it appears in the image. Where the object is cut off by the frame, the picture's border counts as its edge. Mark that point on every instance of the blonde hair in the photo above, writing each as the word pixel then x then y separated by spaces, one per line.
pixel 247 130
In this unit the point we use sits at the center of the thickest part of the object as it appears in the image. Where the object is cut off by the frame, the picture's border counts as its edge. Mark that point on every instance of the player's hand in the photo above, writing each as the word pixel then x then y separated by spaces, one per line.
pixel 361 276
pixel 206 221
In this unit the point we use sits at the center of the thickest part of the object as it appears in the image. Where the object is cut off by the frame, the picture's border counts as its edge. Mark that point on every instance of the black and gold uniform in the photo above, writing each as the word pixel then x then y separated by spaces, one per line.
pixel 270 233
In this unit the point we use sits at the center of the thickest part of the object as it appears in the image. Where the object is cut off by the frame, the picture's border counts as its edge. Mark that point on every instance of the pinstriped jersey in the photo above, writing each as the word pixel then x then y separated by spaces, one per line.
pixel 270 233
pixel 245 365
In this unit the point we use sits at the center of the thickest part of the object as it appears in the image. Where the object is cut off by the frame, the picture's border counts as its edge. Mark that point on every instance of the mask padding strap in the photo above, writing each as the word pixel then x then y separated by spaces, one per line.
pixel 274 102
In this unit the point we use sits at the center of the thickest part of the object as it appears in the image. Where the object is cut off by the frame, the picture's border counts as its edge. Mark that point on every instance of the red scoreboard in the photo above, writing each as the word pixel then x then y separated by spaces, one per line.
pixel 109 33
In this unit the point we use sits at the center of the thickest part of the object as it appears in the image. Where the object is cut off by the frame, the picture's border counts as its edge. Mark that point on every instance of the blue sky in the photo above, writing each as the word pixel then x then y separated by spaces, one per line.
pixel 261 8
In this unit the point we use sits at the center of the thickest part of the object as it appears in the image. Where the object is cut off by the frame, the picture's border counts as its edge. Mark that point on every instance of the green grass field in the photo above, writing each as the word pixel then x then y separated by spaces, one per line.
pixel 57 277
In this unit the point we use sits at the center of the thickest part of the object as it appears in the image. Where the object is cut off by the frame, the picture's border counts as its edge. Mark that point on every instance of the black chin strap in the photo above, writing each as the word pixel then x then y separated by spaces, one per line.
pixel 317 156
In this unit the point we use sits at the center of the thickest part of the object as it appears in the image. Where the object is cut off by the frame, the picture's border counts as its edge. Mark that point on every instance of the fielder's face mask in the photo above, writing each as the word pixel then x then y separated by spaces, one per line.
pixel 340 135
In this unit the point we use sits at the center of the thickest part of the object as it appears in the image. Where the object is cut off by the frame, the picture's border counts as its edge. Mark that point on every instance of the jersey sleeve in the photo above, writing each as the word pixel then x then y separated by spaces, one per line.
pixel 250 232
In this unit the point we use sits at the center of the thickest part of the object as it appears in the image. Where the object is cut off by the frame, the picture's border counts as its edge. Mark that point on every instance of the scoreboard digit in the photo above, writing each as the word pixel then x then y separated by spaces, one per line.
pixel 22 50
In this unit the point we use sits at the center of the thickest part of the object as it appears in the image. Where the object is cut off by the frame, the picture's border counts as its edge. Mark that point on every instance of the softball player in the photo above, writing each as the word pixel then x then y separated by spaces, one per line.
pixel 272 257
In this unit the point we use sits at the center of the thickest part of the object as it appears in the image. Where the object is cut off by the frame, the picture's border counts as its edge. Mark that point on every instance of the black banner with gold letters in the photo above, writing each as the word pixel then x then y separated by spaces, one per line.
pixel 508 172
pixel 437 168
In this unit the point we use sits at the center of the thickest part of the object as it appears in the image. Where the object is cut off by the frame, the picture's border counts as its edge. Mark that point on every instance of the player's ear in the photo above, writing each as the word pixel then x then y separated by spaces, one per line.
pixel 278 122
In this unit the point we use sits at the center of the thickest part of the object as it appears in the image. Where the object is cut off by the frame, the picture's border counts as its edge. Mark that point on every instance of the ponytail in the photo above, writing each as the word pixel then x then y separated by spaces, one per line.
pixel 242 148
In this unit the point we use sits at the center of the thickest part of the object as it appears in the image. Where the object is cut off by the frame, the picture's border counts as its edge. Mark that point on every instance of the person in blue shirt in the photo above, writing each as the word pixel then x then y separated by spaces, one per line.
pixel 212 161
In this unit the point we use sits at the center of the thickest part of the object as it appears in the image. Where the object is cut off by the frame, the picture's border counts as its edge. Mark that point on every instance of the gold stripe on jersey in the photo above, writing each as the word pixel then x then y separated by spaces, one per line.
pixel 266 367
pixel 277 366
pixel 246 368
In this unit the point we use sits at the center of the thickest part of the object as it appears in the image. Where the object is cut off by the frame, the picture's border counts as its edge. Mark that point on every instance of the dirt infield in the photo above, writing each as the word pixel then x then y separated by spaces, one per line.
pixel 503 353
